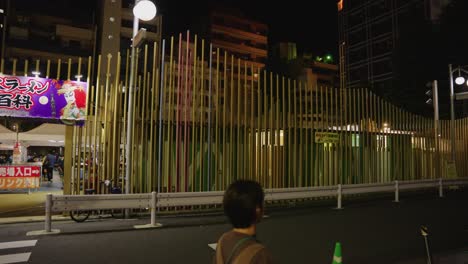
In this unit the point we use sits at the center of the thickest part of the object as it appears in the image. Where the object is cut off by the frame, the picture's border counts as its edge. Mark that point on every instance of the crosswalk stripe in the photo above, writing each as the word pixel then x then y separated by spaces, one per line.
pixel 15 258
pixel 213 246
pixel 18 244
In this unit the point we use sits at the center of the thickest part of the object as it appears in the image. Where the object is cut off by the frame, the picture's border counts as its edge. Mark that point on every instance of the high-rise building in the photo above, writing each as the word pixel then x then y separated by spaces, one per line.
pixel 240 36
pixel 32 31
pixel 374 36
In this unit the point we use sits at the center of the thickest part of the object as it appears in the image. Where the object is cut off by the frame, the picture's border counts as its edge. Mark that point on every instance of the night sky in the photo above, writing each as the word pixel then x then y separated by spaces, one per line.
pixel 311 24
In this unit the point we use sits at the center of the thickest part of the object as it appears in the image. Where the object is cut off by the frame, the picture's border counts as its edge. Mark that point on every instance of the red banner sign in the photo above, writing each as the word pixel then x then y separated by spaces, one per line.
pixel 20 171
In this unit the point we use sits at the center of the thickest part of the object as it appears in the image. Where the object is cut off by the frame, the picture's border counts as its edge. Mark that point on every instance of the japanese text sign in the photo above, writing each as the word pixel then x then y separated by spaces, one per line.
pixel 19 183
pixel 19 177
pixel 42 98
pixel 20 171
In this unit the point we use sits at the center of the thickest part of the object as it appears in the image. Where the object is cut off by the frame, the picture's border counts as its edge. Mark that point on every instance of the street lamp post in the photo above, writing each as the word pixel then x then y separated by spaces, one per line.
pixel 434 101
pixel 144 10
pixel 459 80
pixel 452 113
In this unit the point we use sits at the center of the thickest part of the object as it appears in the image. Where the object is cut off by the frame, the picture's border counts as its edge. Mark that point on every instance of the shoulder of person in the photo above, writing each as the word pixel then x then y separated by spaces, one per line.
pixel 262 255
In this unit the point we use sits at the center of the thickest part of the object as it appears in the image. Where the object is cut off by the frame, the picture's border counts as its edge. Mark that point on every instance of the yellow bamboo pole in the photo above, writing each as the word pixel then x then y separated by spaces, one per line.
pixel 26 62
pixel 217 108
pixel 193 119
pixel 322 179
pixel 225 174
pixel 294 144
pixel 168 155
pixel 326 149
pixel 202 112
pixel 300 144
pixel 252 151
pixel 290 174
pixel 87 124
pixel 316 145
pixel 96 112
pixel 144 106
pixel 260 101
pixel 244 126
pixel 306 132
pixel 238 134
pixel 115 139
pixel 285 131
pixel 276 146
pixel 137 135
pixel 336 148
pixel 48 69
pixel 366 142
pixel 231 118
pixel 329 147
pixel 105 113
pixel 267 132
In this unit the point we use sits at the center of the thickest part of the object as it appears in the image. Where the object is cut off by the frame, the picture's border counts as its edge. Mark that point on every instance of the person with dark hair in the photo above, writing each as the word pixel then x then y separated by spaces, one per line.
pixel 50 160
pixel 243 204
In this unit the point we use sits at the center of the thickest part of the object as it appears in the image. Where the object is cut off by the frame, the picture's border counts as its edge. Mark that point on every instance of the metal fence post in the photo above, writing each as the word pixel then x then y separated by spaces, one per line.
pixel 441 188
pixel 339 197
pixel 153 208
pixel 48 213
pixel 397 192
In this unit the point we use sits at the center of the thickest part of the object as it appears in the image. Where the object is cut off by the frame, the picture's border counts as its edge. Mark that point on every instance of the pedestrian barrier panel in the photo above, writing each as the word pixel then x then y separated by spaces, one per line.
pixel 154 201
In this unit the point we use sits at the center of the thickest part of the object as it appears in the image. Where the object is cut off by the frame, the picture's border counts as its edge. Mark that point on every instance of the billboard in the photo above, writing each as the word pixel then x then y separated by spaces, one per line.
pixel 22 96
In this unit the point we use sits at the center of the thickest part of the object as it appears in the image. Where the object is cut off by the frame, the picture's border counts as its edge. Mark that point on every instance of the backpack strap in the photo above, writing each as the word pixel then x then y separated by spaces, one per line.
pixel 248 254
pixel 236 247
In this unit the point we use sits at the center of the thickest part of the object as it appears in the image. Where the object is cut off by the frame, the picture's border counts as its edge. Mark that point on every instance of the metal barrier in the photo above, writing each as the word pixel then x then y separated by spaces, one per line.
pixel 189 198
pixel 66 203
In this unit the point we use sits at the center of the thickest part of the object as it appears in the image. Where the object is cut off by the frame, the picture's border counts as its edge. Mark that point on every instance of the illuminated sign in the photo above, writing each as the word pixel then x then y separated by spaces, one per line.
pixel 42 98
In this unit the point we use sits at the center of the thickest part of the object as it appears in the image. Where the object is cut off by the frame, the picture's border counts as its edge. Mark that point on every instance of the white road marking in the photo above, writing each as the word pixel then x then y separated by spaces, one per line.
pixel 15 258
pixel 18 244
pixel 213 246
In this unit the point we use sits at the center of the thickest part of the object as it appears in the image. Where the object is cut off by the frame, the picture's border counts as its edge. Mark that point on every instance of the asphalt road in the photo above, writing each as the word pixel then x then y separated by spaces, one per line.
pixel 377 231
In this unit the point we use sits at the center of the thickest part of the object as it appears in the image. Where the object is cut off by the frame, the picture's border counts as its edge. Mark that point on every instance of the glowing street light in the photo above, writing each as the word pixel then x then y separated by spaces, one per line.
pixel 460 80
pixel 144 10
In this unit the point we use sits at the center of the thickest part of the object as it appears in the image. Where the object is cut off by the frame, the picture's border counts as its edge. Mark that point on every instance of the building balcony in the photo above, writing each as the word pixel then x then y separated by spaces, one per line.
pixel 240 34
pixel 228 46
pixel 70 32
pixel 22 48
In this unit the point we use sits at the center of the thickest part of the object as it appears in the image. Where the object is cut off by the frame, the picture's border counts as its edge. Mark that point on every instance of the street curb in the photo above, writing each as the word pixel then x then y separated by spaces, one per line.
pixel 31 219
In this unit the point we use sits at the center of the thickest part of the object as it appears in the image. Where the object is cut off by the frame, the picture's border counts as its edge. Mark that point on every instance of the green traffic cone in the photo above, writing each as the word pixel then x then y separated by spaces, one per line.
pixel 337 255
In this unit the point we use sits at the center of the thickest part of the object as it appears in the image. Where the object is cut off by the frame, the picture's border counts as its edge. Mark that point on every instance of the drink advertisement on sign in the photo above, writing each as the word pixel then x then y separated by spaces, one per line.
pixel 42 98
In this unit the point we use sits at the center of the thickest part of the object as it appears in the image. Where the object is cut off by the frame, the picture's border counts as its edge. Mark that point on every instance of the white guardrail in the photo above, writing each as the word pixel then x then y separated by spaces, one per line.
pixel 66 203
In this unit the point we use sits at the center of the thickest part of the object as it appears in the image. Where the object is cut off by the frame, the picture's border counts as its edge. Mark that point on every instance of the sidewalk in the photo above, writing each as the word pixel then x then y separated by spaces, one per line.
pixel 21 204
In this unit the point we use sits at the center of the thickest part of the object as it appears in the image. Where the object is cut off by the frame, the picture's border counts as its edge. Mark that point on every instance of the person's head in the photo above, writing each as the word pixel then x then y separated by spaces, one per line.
pixel 243 203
